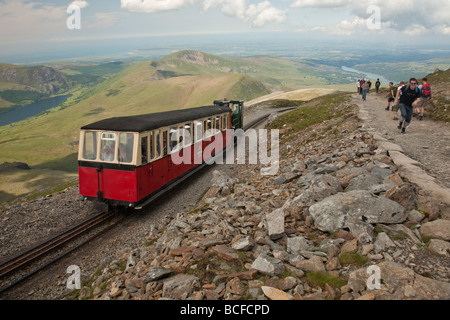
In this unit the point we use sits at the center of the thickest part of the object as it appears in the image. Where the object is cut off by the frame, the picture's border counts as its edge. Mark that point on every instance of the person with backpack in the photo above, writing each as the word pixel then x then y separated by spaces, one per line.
pixel 365 89
pixel 377 85
pixel 407 98
pixel 391 99
pixel 425 91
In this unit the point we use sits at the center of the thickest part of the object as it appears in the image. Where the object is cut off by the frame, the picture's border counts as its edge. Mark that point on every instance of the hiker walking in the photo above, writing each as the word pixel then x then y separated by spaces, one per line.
pixel 425 91
pixel 407 98
pixel 391 97
pixel 365 89
pixel 377 85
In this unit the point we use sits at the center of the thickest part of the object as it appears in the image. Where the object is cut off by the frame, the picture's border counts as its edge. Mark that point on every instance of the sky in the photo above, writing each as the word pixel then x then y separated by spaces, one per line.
pixel 33 26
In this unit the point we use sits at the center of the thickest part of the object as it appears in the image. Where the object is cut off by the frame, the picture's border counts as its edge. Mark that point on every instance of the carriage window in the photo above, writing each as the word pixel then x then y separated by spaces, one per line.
pixel 126 143
pixel 218 124
pixel 152 145
pixel 188 134
pixel 210 125
pixel 165 143
pixel 182 137
pixel 144 150
pixel 205 127
pixel 158 144
pixel 107 146
pixel 90 145
pixel 198 131
pixel 174 137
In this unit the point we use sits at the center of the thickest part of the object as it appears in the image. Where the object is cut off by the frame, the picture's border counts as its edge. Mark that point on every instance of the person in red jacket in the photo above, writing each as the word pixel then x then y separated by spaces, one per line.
pixel 425 90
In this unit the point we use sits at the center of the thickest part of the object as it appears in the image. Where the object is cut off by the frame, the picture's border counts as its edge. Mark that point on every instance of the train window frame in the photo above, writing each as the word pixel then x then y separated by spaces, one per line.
pixel 224 125
pixel 174 146
pixel 165 142
pixel 152 149
pixel 188 128
pixel 158 144
pixel 95 149
pixel 198 125
pixel 205 128
pixel 104 136
pixel 218 122
pixel 127 146
pixel 210 126
pixel 147 145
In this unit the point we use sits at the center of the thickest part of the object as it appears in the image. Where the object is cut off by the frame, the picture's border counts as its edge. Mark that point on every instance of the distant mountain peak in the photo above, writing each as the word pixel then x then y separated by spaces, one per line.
pixel 42 78
pixel 197 57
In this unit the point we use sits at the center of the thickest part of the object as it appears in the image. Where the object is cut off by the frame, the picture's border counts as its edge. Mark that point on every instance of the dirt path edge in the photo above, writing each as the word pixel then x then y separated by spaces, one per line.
pixel 432 198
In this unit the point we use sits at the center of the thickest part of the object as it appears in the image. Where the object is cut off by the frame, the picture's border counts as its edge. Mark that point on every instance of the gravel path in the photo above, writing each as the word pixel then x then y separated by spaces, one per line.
pixel 427 141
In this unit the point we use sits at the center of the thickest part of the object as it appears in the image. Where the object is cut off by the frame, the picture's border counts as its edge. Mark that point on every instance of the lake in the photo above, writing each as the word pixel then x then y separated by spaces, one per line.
pixel 31 110
pixel 367 75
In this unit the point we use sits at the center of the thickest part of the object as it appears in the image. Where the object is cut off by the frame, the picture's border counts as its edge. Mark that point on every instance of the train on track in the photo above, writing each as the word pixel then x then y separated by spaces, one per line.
pixel 128 161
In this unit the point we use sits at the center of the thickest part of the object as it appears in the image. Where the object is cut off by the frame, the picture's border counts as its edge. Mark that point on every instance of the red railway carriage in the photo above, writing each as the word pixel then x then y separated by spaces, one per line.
pixel 125 161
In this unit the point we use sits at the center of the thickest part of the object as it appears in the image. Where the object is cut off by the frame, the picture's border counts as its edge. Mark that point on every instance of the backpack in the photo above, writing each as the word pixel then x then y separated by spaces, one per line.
pixel 405 88
pixel 426 90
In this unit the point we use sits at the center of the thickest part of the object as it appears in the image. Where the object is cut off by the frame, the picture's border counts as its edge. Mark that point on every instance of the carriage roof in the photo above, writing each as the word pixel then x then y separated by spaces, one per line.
pixel 146 122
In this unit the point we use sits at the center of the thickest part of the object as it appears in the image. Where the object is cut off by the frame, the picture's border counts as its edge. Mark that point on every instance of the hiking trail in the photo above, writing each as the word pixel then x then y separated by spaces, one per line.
pixel 422 154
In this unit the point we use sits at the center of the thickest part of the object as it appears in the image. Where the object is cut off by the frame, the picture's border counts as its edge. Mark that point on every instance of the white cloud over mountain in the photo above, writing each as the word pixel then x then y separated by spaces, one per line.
pixel 260 14
pixel 408 16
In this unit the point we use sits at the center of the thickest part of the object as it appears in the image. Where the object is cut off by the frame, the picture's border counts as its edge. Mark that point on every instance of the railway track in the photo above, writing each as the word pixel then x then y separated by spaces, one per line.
pixel 33 254
pixel 29 256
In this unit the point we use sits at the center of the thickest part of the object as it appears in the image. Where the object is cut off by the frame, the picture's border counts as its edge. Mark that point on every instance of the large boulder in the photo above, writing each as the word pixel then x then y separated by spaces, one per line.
pixel 343 209
pixel 399 283
pixel 180 286
pixel 438 229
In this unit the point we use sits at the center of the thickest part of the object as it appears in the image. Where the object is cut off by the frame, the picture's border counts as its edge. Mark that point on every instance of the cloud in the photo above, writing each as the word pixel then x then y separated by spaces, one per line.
pixel 347 28
pixel 319 3
pixel 264 12
pixel 260 14
pixel 24 21
pixel 152 6
pixel 407 16
pixel 80 4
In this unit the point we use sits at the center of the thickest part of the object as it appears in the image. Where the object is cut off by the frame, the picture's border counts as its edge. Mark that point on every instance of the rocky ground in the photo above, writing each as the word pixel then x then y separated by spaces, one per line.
pixel 338 221
pixel 341 203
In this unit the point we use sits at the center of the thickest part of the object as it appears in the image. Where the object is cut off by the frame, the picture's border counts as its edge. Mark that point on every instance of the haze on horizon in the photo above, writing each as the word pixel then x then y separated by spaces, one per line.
pixel 38 31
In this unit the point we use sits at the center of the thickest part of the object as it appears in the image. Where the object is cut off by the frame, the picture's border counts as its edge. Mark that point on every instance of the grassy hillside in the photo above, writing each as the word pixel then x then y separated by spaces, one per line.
pixel 439 107
pixel 274 73
pixel 41 141
pixel 49 143
pixel 21 85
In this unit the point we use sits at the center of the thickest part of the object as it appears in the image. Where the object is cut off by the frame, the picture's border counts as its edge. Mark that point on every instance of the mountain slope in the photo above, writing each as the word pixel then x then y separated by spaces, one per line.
pixel 275 73
pixel 42 78
pixel 21 85
pixel 47 140
pixel 439 106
